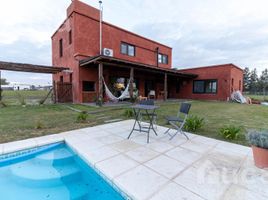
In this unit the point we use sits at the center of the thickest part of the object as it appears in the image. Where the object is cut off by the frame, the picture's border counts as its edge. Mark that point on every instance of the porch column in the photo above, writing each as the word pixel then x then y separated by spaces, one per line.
pixel 165 87
pixel 100 92
pixel 131 82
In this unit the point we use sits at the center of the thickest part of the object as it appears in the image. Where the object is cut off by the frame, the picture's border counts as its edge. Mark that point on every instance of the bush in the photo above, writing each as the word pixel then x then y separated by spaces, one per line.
pixel 3 104
pixel 82 117
pixel 193 123
pixel 99 102
pixel 230 132
pixel 128 113
pixel 39 125
pixel 258 138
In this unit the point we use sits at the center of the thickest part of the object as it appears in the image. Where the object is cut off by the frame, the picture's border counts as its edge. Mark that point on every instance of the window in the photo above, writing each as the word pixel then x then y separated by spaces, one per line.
pixel 88 86
pixel 61 79
pixel 70 37
pixel 61 47
pixel 162 58
pixel 127 49
pixel 205 86
pixel 71 78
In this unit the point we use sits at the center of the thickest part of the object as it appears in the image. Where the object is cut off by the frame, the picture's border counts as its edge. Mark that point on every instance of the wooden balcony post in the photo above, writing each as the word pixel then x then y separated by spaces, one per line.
pixel 165 88
pixel 100 92
pixel 131 82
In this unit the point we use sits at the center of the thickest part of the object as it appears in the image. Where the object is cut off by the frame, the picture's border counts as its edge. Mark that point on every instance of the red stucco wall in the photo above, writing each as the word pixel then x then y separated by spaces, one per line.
pixel 83 20
pixel 222 73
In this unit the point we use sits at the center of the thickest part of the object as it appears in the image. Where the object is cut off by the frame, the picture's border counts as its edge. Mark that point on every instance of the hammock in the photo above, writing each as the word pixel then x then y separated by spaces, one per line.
pixel 110 95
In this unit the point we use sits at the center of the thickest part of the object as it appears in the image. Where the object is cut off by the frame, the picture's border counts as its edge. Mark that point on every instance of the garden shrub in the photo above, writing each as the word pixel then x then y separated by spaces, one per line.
pixel 39 125
pixel 258 138
pixel 230 132
pixel 3 104
pixel 193 123
pixel 82 117
pixel 128 113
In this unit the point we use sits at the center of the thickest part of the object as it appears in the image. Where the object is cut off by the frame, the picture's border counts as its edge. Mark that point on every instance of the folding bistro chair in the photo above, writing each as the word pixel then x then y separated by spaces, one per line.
pixel 177 121
pixel 151 103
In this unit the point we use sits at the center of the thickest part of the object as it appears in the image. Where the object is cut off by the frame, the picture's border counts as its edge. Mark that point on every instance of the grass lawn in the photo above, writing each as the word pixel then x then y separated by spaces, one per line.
pixel 17 122
pixel 258 97
pixel 219 114
pixel 30 96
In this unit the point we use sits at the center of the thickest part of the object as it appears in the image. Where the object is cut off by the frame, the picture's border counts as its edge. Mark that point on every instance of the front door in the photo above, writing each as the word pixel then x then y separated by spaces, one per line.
pixel 149 85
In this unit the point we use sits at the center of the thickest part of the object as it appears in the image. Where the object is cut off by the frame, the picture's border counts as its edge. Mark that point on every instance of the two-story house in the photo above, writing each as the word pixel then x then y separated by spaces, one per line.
pixel 126 57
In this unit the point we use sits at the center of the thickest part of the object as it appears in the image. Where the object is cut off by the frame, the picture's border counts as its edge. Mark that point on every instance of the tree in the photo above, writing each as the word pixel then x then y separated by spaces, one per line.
pixel 246 79
pixel 264 79
pixel 4 81
pixel 253 84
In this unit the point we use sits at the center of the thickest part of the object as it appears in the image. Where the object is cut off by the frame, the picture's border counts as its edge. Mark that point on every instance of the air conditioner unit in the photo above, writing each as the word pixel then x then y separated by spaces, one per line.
pixel 108 52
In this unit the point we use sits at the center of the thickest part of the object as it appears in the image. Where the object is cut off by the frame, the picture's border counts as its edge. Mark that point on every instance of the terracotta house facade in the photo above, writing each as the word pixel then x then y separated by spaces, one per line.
pixel 128 57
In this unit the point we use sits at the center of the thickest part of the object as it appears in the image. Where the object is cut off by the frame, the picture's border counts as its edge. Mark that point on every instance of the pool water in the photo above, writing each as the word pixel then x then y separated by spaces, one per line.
pixel 52 174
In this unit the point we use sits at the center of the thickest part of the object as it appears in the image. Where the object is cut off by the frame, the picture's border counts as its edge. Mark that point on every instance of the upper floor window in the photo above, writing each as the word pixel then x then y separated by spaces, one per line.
pixel 162 58
pixel 70 37
pixel 61 48
pixel 127 49
pixel 205 86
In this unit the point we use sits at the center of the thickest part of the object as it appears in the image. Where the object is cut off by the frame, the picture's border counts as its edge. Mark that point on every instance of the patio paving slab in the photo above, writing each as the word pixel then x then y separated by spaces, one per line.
pixel 160 146
pixel 202 181
pixel 236 192
pixel 142 154
pixel 196 146
pixel 184 155
pixel 173 191
pixel 140 182
pixel 98 154
pixel 195 169
pixel 125 145
pixel 165 166
pixel 115 166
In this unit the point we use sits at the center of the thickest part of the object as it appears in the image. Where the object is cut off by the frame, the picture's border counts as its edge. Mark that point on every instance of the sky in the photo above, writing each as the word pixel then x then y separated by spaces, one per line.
pixel 201 32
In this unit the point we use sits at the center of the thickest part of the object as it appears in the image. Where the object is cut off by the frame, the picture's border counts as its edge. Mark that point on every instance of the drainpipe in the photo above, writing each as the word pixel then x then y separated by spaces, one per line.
pixel 157 53
pixel 101 8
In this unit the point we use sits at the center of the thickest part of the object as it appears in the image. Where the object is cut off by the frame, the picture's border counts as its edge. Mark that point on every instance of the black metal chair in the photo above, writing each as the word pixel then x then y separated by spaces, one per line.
pixel 148 102
pixel 178 121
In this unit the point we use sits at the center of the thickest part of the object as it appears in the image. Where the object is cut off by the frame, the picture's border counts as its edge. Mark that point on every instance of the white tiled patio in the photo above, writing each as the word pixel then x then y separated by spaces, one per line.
pixel 200 168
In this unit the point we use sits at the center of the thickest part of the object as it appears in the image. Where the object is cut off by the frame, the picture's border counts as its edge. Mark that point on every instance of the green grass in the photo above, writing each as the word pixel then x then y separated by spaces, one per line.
pixel 219 114
pixel 31 97
pixel 259 97
pixel 29 93
pixel 17 122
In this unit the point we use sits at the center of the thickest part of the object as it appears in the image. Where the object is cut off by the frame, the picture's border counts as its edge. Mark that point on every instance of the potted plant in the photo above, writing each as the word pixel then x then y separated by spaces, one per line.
pixel 259 143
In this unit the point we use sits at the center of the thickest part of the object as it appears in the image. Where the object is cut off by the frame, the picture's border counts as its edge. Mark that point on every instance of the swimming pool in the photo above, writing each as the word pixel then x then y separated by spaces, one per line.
pixel 53 172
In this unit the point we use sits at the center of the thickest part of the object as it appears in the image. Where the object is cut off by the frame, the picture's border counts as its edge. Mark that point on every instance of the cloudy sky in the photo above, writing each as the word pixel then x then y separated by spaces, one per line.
pixel 201 32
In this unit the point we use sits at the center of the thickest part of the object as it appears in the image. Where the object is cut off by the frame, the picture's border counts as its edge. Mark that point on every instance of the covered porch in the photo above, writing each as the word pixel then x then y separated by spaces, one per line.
pixel 146 81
